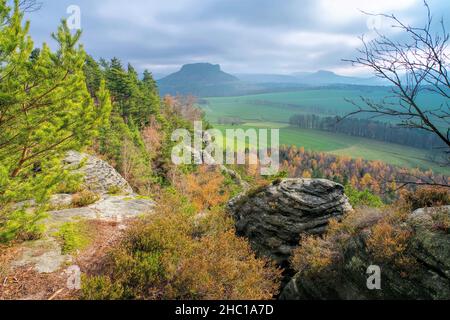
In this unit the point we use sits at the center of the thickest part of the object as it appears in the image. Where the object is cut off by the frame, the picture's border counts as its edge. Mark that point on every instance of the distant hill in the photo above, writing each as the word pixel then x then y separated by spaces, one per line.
pixel 324 77
pixel 318 78
pixel 200 79
pixel 208 80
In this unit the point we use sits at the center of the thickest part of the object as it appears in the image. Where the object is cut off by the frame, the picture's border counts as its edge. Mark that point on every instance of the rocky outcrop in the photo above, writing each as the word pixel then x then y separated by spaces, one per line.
pixel 274 217
pixel 45 255
pixel 426 277
pixel 99 176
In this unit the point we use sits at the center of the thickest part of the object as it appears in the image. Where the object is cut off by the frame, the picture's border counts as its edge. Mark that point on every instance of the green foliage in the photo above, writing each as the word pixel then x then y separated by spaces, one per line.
pixel 72 183
pixel 362 198
pixel 100 288
pixel 74 236
pixel 45 110
pixel 134 99
pixel 114 190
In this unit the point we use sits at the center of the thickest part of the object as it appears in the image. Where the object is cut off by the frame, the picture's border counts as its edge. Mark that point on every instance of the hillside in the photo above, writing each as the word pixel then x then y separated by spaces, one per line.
pixel 311 79
pixel 197 79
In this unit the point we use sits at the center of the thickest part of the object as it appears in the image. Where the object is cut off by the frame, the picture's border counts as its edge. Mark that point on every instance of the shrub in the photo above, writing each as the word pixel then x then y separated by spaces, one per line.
pixel 385 236
pixel 362 198
pixel 21 224
pixel 175 254
pixel 114 190
pixel 73 183
pixel 205 188
pixel 73 236
pixel 84 198
pixel 100 288
pixel 388 243
pixel 425 197
pixel 441 220
pixel 223 266
pixel 314 255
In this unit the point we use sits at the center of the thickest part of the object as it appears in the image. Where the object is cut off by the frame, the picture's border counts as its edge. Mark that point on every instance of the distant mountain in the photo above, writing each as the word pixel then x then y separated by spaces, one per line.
pixel 199 79
pixel 319 78
pixel 324 77
pixel 208 80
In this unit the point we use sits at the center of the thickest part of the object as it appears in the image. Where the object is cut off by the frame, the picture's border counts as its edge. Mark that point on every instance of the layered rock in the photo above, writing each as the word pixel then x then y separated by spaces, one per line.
pixel 427 277
pixel 274 217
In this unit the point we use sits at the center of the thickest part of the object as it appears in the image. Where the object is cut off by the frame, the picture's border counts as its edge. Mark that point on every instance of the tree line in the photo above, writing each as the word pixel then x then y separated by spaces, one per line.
pixel 365 128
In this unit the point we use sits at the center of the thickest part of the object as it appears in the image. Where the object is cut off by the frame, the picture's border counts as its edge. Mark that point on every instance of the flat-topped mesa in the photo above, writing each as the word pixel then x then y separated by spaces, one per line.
pixel 274 217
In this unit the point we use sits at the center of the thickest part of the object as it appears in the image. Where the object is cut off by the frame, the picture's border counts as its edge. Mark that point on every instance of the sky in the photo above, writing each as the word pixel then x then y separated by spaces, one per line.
pixel 243 36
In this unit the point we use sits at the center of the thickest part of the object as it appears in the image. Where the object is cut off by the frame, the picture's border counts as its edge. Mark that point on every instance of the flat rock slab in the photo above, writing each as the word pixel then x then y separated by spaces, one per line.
pixel 114 208
pixel 45 256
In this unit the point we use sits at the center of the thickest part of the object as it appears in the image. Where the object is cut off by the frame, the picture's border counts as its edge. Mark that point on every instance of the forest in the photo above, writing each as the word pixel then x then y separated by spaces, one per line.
pixel 371 129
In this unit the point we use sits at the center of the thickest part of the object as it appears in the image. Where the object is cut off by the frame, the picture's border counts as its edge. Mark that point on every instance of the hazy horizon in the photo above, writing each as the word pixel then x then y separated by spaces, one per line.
pixel 263 37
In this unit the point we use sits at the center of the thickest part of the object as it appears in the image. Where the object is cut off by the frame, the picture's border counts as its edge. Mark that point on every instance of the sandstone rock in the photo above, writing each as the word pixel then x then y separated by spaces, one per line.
pixel 110 208
pixel 274 217
pixel 427 278
pixel 44 255
pixel 99 176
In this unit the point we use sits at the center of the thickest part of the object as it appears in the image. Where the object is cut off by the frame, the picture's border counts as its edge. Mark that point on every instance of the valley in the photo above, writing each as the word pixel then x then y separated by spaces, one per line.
pixel 273 110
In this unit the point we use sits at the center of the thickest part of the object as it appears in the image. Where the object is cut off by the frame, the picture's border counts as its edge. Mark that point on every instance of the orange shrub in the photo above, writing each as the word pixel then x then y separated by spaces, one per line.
pixel 314 255
pixel 205 187
pixel 177 254
pixel 388 243
pixel 223 266
pixel 426 196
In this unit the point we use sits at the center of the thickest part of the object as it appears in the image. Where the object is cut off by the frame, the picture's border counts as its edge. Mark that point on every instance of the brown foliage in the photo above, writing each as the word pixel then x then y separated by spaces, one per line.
pixel 177 254
pixel 204 188
pixel 385 234
pixel 425 197
pixel 152 136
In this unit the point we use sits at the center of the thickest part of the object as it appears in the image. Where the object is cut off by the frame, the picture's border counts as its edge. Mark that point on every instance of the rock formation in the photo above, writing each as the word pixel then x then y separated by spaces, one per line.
pixel 45 254
pixel 274 217
pixel 99 176
pixel 427 277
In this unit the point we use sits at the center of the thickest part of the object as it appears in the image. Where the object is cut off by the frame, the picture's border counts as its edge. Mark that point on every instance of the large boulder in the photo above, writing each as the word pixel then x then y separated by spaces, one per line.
pixel 99 176
pixel 426 277
pixel 274 217
pixel 45 255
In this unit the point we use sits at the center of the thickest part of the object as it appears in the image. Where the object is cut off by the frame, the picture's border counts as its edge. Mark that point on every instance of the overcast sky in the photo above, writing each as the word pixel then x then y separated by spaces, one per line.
pixel 244 36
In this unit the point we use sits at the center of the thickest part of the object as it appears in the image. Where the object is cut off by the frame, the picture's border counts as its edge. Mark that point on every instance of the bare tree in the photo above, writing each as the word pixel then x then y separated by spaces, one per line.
pixel 30 5
pixel 412 66
pixel 25 6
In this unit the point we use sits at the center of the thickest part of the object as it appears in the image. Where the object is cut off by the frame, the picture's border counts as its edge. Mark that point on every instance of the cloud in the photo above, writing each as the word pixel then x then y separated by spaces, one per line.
pixel 242 35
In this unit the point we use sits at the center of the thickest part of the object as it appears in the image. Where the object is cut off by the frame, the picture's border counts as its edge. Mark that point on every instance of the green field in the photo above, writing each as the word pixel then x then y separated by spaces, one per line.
pixel 273 110
pixel 280 106
pixel 354 147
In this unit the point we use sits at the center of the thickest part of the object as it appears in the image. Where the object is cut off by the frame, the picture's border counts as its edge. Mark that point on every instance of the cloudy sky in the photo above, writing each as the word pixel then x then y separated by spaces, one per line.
pixel 244 36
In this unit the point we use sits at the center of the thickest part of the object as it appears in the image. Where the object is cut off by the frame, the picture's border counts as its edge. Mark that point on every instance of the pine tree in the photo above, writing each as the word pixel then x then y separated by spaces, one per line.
pixel 45 110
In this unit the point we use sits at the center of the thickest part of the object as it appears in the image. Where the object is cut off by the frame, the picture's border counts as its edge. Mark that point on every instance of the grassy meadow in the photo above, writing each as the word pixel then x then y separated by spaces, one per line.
pixel 274 110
